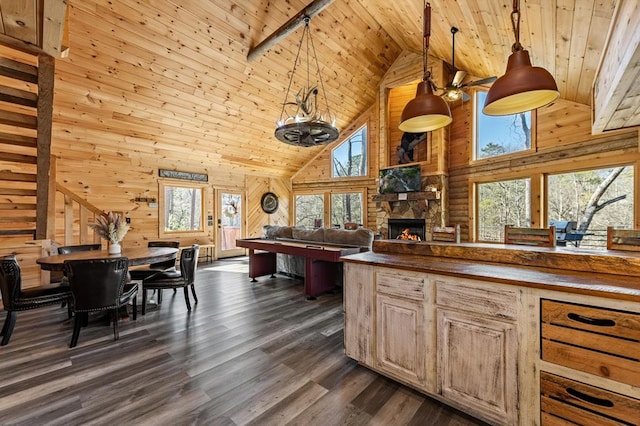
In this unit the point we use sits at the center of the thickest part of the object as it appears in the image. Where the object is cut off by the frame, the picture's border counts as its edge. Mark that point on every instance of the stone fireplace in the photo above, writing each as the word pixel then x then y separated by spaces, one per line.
pixel 421 210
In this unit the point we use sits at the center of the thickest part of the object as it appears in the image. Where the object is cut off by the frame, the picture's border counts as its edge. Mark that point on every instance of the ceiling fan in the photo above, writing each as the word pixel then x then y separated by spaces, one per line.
pixel 453 90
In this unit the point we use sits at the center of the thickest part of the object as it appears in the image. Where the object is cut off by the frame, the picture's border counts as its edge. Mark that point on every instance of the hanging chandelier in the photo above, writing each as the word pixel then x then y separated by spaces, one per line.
pixel 303 121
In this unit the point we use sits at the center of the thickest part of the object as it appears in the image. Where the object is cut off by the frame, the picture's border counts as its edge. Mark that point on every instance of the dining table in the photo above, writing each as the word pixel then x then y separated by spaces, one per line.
pixel 136 256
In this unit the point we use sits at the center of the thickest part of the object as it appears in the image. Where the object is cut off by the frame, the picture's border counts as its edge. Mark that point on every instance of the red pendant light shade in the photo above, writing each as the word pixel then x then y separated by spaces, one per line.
pixel 523 87
pixel 426 112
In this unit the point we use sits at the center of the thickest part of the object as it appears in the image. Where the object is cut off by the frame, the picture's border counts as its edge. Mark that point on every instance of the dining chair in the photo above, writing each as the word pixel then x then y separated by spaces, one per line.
pixel 15 298
pixel 79 247
pixel 99 285
pixel 144 272
pixel 184 278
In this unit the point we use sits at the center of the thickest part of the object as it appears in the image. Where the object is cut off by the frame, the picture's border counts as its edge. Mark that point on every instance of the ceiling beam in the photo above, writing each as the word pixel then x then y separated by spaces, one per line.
pixel 311 10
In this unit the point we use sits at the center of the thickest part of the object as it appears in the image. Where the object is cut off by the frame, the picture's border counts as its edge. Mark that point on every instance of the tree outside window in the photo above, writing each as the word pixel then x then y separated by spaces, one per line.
pixel 499 135
pixel 182 209
pixel 502 203
pixel 350 157
pixel 309 209
pixel 346 207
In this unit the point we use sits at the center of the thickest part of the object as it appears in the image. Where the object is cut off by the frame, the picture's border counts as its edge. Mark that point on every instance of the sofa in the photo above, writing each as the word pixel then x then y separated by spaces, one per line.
pixel 294 265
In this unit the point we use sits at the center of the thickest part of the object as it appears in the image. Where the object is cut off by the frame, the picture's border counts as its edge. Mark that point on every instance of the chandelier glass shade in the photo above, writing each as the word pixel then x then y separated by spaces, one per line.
pixel 305 120
pixel 426 112
pixel 523 87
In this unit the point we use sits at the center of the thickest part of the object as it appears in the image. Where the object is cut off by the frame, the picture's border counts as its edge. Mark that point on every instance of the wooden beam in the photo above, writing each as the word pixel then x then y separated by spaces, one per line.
pixel 46 77
pixel 311 10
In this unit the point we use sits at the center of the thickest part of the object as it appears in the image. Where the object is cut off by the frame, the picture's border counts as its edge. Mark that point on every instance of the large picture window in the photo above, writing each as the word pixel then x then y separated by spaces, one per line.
pixel 499 135
pixel 502 203
pixel 181 209
pixel 584 203
pixel 324 209
pixel 349 159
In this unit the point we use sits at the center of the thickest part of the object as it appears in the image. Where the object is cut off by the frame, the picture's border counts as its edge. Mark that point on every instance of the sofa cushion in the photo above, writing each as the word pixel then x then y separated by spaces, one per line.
pixel 271 232
pixel 308 235
pixel 359 237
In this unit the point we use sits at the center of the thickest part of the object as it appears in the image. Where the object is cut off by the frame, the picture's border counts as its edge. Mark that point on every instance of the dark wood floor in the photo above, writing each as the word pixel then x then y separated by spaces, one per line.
pixel 247 354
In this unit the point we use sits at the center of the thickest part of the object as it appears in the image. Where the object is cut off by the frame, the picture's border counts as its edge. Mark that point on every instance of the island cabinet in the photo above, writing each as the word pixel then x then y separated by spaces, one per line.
pixel 513 336
pixel 478 347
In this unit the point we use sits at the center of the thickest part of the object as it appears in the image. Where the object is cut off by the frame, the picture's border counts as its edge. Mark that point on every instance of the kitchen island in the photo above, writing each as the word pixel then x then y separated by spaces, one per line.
pixel 513 335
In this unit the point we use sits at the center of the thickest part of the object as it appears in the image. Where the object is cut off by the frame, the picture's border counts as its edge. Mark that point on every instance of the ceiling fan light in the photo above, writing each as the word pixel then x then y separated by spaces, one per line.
pixel 522 88
pixel 426 112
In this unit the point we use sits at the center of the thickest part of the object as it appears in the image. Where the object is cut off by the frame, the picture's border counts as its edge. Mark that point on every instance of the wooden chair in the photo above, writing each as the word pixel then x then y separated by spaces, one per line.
pixel 99 285
pixel 540 237
pixel 449 234
pixel 350 225
pixel 184 278
pixel 623 239
pixel 15 299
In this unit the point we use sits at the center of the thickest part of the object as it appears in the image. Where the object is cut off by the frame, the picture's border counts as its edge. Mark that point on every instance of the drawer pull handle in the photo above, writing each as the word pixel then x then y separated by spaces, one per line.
pixel 590 399
pixel 592 321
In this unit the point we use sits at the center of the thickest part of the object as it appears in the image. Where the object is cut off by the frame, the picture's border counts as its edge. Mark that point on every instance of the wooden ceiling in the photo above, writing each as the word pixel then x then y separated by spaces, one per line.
pixel 170 80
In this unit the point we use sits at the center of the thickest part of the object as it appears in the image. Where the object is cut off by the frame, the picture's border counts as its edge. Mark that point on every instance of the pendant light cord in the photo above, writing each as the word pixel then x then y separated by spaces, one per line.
pixel 426 33
pixel 515 22
pixel 295 65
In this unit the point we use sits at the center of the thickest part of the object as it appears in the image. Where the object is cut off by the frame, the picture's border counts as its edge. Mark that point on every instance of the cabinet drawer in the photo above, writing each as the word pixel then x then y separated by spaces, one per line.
pixel 401 284
pixel 493 301
pixel 579 403
pixel 599 341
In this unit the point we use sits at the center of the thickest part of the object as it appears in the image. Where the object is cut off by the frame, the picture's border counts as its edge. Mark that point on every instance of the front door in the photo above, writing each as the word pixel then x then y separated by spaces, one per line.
pixel 230 223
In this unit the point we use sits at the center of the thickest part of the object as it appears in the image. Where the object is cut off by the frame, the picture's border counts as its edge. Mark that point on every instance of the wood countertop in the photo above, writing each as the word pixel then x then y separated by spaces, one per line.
pixel 612 274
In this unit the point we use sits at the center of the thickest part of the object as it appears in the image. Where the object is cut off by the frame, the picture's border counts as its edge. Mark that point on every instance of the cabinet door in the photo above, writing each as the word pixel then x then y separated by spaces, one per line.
pixel 401 338
pixel 477 364
pixel 358 312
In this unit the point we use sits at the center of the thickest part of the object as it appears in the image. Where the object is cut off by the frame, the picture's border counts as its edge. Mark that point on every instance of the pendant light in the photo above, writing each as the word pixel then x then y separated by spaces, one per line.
pixel 523 87
pixel 426 112
pixel 302 122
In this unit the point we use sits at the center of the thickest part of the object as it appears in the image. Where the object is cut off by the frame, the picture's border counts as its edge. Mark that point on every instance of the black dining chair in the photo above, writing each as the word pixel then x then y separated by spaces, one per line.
pixel 79 247
pixel 144 272
pixel 184 278
pixel 99 285
pixel 15 298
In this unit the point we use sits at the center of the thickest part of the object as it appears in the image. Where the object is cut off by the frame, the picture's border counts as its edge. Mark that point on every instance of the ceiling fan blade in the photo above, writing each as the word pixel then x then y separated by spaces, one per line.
pixel 457 79
pixel 483 81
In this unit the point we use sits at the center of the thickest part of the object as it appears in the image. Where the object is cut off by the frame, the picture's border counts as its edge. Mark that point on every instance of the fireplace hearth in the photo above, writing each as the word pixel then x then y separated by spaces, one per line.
pixel 406 229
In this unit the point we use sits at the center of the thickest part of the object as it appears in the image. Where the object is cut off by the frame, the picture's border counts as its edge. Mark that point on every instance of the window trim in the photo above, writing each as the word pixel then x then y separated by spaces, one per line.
pixel 162 233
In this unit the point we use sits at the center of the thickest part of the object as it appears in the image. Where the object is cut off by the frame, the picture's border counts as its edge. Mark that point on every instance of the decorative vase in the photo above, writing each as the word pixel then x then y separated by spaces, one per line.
pixel 114 248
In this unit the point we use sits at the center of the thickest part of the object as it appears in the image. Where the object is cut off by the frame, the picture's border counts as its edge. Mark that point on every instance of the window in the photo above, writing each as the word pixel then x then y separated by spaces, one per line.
pixel 181 207
pixel 592 200
pixel 499 135
pixel 326 209
pixel 350 157
pixel 346 207
pixel 309 210
pixel 502 203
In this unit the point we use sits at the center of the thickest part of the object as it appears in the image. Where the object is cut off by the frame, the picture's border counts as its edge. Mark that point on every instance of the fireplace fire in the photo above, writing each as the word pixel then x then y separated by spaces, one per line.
pixel 407 229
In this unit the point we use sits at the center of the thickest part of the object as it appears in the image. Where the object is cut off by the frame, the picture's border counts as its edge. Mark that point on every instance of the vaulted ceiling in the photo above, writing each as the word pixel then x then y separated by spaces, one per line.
pixel 171 79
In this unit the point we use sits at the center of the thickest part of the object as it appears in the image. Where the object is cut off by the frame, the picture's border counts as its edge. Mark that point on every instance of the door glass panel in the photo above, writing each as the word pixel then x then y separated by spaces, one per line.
pixel 230 220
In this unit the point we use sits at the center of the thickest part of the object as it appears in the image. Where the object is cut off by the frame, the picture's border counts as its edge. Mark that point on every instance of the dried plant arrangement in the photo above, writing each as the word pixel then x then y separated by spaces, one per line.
pixel 110 226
